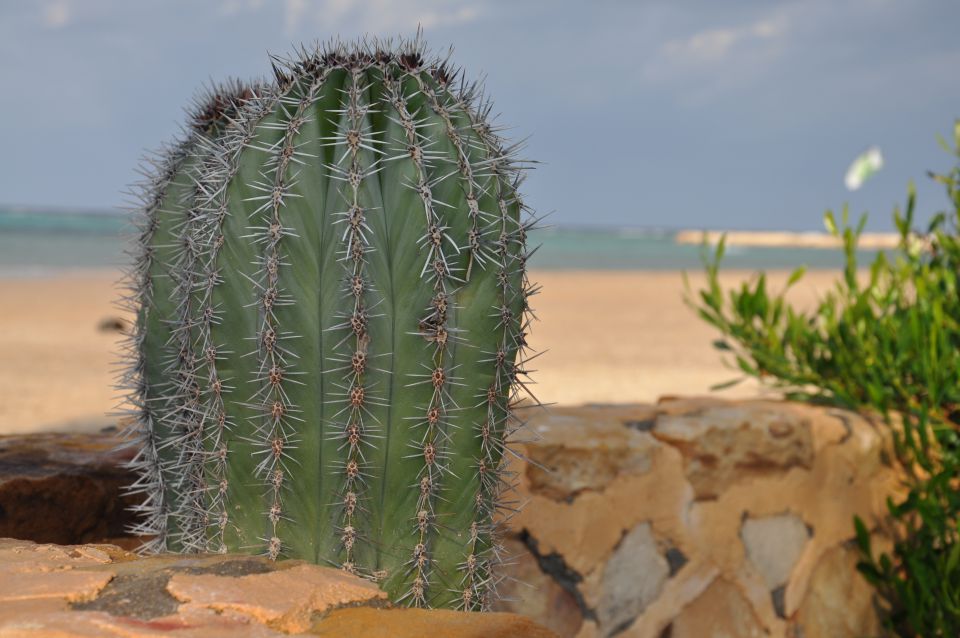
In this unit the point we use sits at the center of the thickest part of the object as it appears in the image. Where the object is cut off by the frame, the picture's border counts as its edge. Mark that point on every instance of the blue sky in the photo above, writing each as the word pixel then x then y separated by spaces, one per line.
pixel 734 114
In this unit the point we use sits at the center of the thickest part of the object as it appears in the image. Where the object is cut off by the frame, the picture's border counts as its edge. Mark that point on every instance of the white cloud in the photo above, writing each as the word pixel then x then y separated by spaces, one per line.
pixel 699 66
pixel 462 15
pixel 386 17
pixel 292 14
pixel 233 7
pixel 379 16
pixel 55 14
pixel 713 46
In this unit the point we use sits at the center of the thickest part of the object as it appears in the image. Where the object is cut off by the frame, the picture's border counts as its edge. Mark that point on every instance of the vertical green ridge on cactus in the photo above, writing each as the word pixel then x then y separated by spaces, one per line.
pixel 309 252
pixel 184 418
pixel 161 291
pixel 354 423
pixel 276 356
pixel 241 337
pixel 330 278
pixel 158 331
pixel 457 508
pixel 161 174
pixel 397 268
pixel 347 301
pixel 160 337
pixel 193 421
pixel 212 180
pixel 441 270
pixel 412 450
pixel 220 384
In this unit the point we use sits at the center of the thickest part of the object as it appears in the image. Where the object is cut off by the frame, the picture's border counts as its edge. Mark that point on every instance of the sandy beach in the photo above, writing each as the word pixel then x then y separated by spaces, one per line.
pixel 607 336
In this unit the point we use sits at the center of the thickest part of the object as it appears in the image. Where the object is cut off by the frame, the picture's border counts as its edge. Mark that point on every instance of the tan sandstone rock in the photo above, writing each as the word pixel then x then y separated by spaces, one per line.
pixel 367 622
pixel 723 444
pixel 284 600
pixel 536 594
pixel 838 600
pixel 93 591
pixel 664 518
pixel 721 611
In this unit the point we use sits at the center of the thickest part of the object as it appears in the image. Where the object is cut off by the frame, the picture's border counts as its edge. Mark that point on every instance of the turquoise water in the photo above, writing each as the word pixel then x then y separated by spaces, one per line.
pixel 36 241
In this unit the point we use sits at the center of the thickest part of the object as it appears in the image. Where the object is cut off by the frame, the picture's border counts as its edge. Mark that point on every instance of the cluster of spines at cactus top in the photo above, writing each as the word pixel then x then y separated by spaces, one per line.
pixel 332 303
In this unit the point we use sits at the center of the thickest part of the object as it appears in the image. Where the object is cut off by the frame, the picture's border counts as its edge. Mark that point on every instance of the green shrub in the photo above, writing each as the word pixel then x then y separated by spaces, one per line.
pixel 887 340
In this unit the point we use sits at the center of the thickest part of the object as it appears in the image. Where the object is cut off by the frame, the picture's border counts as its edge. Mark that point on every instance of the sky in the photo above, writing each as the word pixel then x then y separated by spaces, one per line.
pixel 742 114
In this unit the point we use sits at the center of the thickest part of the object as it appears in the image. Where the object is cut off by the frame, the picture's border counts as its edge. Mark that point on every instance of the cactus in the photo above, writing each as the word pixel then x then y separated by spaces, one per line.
pixel 332 307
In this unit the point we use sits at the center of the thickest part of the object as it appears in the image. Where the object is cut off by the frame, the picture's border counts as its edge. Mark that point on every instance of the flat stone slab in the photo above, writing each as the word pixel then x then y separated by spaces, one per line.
pixel 102 590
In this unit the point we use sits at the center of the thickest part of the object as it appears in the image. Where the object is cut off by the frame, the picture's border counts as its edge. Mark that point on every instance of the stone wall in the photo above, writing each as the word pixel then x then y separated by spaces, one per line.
pixel 692 518
pixel 697 518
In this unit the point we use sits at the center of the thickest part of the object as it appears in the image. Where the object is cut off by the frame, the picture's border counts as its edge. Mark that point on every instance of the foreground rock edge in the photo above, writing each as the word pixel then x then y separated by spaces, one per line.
pixel 102 590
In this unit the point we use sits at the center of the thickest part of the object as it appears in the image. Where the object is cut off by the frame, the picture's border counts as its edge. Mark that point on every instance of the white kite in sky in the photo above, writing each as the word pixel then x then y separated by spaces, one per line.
pixel 867 163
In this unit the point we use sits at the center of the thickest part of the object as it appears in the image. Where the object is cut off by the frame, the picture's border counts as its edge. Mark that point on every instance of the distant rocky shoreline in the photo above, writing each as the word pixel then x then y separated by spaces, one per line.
pixel 777 238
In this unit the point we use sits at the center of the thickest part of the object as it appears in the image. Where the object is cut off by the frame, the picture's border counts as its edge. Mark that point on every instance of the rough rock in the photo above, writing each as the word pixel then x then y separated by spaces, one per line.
pixel 721 611
pixel 564 464
pixel 838 600
pixel 632 578
pixel 284 599
pixel 773 545
pixel 589 526
pixel 368 622
pixel 64 488
pixel 533 592
pixel 724 443
pixel 103 591
pixel 728 505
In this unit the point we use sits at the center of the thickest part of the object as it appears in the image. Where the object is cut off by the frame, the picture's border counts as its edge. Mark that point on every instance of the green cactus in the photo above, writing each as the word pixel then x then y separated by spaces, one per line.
pixel 332 310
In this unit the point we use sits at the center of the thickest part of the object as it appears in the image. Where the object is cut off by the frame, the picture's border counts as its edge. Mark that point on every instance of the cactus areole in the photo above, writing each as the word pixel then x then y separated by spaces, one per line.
pixel 331 307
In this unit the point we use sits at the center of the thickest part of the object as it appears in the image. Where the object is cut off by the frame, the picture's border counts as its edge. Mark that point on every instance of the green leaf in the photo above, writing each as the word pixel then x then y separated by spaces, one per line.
pixel 726 384
pixel 943 144
pixel 901 223
pixel 861 225
pixel 863 536
pixel 953 558
pixel 830 223
pixel 747 367
pixel 796 275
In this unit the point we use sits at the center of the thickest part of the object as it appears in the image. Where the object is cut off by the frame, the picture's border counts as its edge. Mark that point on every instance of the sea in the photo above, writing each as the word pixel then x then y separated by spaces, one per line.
pixel 38 242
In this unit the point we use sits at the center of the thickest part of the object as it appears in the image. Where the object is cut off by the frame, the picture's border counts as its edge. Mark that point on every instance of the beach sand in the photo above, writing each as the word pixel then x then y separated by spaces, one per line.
pixel 608 336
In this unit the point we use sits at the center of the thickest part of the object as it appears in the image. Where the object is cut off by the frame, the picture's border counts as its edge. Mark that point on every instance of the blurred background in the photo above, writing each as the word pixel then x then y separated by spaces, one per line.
pixel 648 119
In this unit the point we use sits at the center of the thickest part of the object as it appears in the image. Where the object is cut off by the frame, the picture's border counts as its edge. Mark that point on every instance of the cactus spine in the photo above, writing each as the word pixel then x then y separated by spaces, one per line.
pixel 332 307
